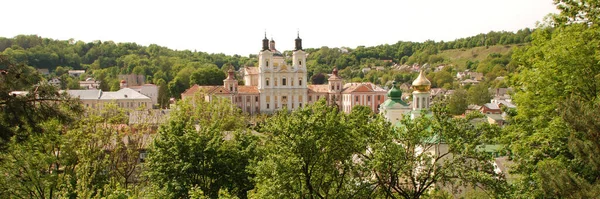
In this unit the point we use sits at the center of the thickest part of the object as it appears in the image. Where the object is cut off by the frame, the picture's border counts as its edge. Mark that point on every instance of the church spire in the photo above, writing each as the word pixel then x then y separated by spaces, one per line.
pixel 298 42
pixel 265 42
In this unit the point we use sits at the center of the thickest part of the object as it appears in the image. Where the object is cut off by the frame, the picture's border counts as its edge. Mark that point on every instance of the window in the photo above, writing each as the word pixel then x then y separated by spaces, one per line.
pixel 248 99
pixel 267 105
pixel 284 98
pixel 356 98
pixel 300 105
pixel 378 97
pixel 231 88
pixel 300 98
pixel 283 81
pixel 256 99
pixel 368 98
pixel 300 82
pixel 309 98
pixel 299 62
pixel 338 87
pixel 275 81
pixel 268 98
pixel 267 63
pixel 332 88
pixel 267 81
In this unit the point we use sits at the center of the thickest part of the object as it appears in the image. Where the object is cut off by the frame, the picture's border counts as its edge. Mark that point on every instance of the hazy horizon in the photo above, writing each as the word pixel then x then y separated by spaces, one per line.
pixel 237 27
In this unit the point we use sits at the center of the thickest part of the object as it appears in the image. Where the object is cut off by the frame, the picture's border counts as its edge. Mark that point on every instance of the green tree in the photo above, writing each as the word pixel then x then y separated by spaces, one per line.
pixel 309 154
pixel 202 143
pixel 457 102
pixel 479 94
pixel 208 75
pixel 561 65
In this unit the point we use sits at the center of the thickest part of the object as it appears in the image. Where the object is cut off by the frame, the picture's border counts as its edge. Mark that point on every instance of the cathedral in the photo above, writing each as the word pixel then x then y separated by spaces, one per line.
pixel 276 84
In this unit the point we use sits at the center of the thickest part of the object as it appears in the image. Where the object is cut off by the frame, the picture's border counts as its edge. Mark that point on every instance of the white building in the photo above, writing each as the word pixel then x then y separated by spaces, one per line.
pixel 125 98
pixel 275 84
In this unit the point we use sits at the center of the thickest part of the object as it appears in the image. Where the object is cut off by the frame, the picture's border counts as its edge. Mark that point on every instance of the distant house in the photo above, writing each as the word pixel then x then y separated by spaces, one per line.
pixel 468 82
pixel 76 73
pixel 379 68
pixel 54 82
pixel 438 92
pixel 89 83
pixel 476 76
pixel 365 70
pixel 504 103
pixel 490 108
pixel 495 119
pixel 43 71
pixel 469 75
pixel 472 108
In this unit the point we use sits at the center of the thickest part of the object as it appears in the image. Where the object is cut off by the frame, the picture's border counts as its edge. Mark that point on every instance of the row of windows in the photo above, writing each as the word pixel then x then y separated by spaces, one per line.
pixel 357 98
pixel 267 63
pixel 123 104
pixel 283 82
pixel 284 105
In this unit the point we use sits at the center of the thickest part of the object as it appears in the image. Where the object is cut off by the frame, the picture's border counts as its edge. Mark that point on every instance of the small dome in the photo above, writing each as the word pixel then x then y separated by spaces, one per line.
pixel 394 93
pixel 421 84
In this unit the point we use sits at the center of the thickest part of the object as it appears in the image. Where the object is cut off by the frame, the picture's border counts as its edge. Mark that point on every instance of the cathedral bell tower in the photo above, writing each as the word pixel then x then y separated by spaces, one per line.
pixel 299 56
pixel 265 63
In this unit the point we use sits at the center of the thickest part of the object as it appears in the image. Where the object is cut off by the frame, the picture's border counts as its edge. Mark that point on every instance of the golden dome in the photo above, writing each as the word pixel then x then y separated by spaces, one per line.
pixel 421 84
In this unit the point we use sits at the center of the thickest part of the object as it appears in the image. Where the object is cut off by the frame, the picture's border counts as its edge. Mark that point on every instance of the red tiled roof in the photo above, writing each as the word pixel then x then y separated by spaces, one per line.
pixel 321 88
pixel 248 89
pixel 361 87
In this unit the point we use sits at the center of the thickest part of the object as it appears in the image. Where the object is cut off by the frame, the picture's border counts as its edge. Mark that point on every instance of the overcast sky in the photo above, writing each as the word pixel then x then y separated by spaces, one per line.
pixel 237 27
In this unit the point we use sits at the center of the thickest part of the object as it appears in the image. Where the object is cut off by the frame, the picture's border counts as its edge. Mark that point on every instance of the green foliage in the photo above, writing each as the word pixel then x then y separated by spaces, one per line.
pixel 204 147
pixel 479 94
pixel 309 153
pixel 457 102
pixel 558 76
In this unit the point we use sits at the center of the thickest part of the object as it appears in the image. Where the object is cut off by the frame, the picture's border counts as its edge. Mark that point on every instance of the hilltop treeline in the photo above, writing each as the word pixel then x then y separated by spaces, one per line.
pixel 105 60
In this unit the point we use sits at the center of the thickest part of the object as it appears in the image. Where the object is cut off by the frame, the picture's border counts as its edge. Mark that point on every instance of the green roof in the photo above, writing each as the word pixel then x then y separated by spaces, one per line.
pixel 394 97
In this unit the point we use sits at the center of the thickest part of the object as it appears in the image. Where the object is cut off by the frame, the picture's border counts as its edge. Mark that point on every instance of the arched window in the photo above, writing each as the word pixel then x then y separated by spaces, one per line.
pixel 300 82
pixel 300 63
pixel 267 81
pixel 267 63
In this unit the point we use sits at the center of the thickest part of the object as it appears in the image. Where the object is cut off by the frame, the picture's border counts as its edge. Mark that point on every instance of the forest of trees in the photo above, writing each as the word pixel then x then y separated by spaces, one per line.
pixel 51 147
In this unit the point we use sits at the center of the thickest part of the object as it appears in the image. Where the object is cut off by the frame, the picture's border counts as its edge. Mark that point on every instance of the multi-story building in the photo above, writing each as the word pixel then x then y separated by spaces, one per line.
pixel 275 84
pixel 125 98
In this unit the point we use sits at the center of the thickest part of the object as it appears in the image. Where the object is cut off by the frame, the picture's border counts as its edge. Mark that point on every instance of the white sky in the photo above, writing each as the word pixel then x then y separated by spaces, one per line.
pixel 237 27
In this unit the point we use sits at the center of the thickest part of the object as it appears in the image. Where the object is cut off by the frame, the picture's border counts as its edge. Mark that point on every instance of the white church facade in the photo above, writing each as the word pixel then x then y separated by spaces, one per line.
pixel 274 84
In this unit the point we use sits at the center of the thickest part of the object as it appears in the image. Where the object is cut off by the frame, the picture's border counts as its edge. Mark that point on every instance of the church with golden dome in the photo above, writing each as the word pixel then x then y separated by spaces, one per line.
pixel 394 108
